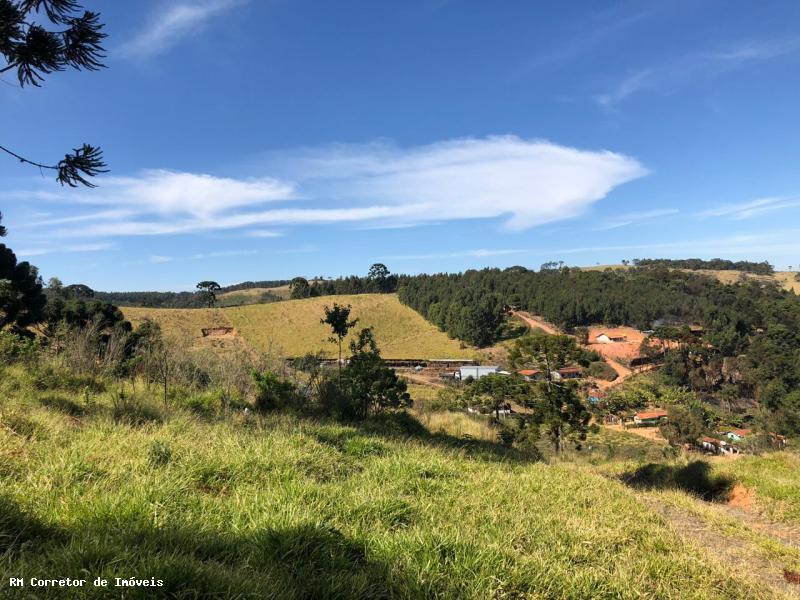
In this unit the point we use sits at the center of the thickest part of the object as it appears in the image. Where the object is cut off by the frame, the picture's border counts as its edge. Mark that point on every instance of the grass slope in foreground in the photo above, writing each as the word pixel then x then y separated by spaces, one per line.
pixel 246 506
pixel 293 328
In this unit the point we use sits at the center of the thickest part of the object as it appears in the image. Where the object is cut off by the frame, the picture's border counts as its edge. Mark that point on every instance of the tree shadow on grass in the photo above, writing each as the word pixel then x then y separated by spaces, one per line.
pixel 310 560
pixel 402 425
pixel 19 530
pixel 696 478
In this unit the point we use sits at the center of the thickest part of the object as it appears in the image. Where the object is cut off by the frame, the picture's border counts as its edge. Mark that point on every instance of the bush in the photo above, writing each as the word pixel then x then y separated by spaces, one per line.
pixel 128 410
pixel 273 392
pixel 602 370
pixel 15 348
pixel 206 403
pixel 335 402
pixel 159 454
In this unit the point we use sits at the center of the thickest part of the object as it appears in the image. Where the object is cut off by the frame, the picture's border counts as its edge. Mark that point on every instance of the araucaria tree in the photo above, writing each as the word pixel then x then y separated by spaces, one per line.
pixel 33 49
pixel 22 300
pixel 338 318
pixel 563 414
pixel 208 291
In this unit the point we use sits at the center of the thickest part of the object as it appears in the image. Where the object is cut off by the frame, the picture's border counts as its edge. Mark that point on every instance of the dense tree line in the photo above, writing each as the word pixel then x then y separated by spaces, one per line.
pixel 716 264
pixel 249 285
pixel 379 280
pixel 153 299
pixel 474 301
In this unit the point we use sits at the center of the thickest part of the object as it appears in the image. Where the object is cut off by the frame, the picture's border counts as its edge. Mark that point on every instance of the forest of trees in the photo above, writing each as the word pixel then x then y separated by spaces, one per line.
pixel 716 264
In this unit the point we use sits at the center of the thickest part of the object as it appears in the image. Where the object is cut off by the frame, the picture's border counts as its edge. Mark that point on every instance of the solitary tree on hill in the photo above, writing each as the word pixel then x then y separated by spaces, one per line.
pixel 338 318
pixel 207 290
pixel 73 41
pixel 300 288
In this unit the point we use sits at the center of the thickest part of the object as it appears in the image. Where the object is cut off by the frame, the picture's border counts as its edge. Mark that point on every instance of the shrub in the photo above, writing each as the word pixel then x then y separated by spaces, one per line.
pixel 127 409
pixel 602 370
pixel 206 403
pixel 159 454
pixel 273 392
pixel 335 402
pixel 15 348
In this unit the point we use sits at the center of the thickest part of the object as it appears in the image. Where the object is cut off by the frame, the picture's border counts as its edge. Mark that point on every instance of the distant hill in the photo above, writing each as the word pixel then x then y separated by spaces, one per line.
pixel 785 279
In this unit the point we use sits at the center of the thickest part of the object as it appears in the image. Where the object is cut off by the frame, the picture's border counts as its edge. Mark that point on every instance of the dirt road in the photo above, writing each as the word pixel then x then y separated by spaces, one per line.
pixel 536 322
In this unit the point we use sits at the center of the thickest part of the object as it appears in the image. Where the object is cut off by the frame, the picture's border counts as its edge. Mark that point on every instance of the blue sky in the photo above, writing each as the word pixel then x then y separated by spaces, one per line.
pixel 267 139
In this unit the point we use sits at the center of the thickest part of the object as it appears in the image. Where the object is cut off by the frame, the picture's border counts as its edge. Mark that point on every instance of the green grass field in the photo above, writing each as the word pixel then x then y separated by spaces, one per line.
pixel 279 506
pixel 293 328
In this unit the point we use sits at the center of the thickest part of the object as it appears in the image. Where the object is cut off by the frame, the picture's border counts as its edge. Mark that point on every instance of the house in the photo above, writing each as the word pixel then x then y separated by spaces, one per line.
pixel 718 446
pixel 570 373
pixel 737 435
pixel 500 412
pixel 610 338
pixel 696 329
pixel 476 371
pixel 649 418
pixel 531 374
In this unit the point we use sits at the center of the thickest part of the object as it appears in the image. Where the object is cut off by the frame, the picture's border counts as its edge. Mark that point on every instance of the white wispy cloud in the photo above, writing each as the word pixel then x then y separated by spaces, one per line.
pixel 631 84
pixel 756 50
pixel 264 233
pixel 636 217
pixel 481 253
pixel 578 39
pixel 160 259
pixel 175 22
pixel 751 208
pixel 524 182
pixel 64 249
pixel 692 66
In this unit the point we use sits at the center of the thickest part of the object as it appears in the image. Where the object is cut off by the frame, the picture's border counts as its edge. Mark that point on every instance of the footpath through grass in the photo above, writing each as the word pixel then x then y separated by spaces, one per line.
pixel 244 506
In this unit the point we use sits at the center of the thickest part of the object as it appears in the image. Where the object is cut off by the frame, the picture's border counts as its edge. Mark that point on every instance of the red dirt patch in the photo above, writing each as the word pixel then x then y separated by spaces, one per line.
pixel 791 576
pixel 741 497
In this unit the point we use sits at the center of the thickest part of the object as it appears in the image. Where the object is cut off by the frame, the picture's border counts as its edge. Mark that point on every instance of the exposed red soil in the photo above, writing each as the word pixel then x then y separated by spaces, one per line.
pixel 741 497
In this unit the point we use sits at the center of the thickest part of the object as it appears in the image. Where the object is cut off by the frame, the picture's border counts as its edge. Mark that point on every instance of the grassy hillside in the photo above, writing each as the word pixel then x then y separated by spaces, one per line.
pixel 185 325
pixel 293 327
pixel 253 295
pixel 245 506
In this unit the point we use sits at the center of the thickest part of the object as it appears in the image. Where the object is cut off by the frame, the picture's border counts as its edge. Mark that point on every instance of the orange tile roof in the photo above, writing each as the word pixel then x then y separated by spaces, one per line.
pixel 741 432
pixel 655 414
pixel 529 372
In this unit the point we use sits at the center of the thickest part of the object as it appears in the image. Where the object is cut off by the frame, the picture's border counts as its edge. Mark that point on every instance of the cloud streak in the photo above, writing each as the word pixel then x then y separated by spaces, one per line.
pixel 173 24
pixel 637 217
pixel 752 208
pixel 681 71
pixel 64 249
